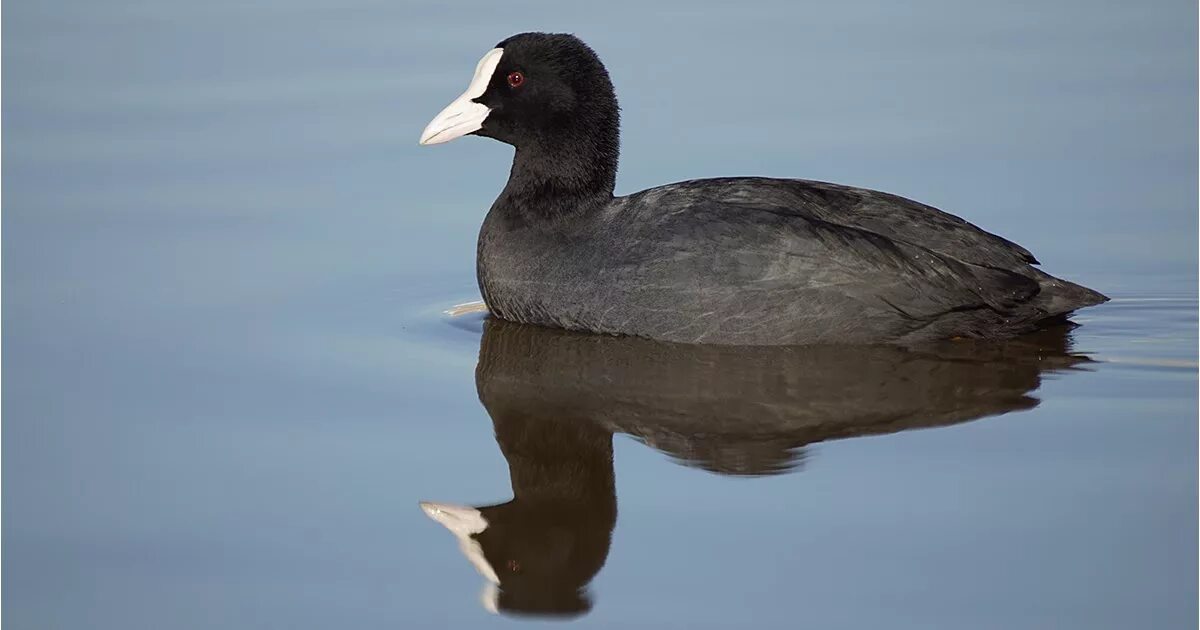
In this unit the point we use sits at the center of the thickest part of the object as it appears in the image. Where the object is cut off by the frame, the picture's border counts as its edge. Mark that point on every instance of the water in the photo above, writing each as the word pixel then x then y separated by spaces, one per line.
pixel 230 379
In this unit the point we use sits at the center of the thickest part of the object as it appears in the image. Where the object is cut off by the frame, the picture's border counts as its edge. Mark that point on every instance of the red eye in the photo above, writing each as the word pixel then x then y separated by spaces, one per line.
pixel 515 79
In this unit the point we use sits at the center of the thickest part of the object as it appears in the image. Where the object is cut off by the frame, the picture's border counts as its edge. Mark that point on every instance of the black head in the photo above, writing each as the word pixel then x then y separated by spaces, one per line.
pixel 548 95
pixel 548 89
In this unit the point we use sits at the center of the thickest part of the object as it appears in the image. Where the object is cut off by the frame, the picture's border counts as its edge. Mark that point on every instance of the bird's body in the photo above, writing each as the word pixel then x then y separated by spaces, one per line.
pixel 750 261
pixel 759 261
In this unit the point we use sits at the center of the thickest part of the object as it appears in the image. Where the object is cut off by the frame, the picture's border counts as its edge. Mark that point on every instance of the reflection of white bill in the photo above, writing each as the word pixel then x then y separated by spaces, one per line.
pixel 464 522
pixel 466 308
pixel 489 597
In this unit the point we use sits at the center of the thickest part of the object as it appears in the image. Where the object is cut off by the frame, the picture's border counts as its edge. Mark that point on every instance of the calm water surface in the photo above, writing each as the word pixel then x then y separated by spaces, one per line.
pixel 230 378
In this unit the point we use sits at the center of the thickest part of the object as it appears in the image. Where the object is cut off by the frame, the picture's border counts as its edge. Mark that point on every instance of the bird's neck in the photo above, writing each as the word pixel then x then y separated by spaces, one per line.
pixel 562 178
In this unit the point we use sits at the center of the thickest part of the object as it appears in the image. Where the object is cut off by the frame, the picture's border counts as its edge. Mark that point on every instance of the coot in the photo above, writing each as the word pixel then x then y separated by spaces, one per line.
pixel 746 260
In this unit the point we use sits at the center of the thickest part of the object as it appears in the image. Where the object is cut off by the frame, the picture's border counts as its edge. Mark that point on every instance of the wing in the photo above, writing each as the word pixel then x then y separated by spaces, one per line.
pixel 737 270
pixel 896 218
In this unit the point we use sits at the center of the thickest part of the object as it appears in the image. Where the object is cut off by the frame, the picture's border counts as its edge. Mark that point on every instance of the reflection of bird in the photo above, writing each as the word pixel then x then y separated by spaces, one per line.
pixel 556 397
pixel 733 260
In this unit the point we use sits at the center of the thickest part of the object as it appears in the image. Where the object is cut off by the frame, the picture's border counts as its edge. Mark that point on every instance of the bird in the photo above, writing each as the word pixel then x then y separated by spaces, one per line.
pixel 750 261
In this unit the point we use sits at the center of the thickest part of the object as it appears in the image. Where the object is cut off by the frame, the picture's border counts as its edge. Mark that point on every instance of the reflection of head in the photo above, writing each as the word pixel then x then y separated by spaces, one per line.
pixel 542 548
pixel 543 565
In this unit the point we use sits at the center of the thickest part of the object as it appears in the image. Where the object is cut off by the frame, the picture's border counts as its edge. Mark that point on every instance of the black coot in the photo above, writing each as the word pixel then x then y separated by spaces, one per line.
pixel 751 261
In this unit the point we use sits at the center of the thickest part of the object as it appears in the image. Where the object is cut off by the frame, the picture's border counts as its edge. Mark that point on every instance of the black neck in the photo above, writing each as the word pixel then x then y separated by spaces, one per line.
pixel 562 177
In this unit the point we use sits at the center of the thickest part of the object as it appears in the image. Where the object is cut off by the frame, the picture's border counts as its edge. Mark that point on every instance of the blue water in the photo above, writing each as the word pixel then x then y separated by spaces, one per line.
pixel 230 379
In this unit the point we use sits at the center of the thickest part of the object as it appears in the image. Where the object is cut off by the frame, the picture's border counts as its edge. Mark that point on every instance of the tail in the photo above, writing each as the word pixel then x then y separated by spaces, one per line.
pixel 1059 297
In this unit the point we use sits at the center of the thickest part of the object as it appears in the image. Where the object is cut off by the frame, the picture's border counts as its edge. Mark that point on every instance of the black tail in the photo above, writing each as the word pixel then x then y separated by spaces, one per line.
pixel 1059 297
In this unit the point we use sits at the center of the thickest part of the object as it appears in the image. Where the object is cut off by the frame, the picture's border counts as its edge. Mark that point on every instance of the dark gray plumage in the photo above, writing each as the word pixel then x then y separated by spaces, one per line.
pixel 749 261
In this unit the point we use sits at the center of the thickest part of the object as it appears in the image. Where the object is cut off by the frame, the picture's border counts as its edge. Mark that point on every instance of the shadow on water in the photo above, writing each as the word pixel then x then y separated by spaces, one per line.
pixel 556 398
